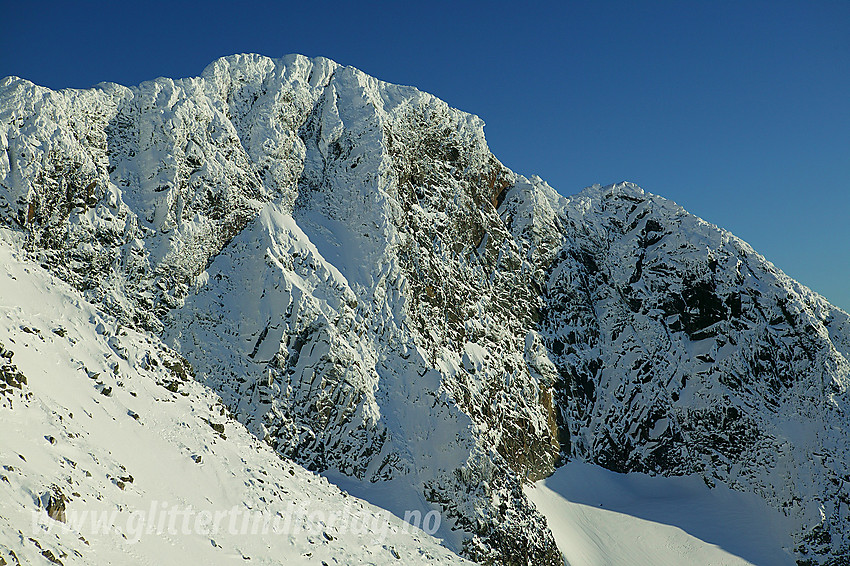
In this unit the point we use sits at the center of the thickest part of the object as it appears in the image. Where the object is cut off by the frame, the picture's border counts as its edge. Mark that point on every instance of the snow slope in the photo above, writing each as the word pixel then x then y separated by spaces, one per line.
pixel 105 423
pixel 601 517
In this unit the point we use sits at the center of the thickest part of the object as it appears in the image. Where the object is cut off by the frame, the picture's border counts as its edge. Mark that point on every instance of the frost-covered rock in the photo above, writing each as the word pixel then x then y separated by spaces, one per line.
pixel 681 350
pixel 158 471
pixel 376 296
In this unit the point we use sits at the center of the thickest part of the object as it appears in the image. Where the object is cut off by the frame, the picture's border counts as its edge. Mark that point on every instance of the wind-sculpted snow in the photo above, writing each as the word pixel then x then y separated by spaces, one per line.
pixel 374 295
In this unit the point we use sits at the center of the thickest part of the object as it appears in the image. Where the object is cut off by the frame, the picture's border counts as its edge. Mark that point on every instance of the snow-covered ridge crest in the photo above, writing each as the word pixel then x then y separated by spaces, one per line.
pixel 373 294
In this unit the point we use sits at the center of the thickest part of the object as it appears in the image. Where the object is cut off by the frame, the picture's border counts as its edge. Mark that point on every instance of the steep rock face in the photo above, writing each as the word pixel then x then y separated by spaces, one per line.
pixel 681 350
pixel 282 197
pixel 105 431
pixel 374 294
pixel 359 357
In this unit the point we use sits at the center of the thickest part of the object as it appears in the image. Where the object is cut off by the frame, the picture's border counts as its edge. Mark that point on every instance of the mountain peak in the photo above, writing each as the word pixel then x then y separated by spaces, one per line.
pixel 377 298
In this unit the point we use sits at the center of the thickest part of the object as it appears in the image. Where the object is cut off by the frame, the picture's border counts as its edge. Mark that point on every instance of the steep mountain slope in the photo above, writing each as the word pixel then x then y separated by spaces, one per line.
pixel 680 350
pixel 112 454
pixel 375 296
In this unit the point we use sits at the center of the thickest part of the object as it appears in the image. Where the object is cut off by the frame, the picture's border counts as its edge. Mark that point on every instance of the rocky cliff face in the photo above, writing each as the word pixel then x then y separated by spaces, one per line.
pixel 680 350
pixel 375 295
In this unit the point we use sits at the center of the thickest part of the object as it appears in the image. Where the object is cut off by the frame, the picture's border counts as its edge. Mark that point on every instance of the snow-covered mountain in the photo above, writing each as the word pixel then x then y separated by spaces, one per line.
pixel 373 295
pixel 112 454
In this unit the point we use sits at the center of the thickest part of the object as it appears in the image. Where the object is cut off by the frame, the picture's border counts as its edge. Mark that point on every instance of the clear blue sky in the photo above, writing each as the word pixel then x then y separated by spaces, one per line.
pixel 739 111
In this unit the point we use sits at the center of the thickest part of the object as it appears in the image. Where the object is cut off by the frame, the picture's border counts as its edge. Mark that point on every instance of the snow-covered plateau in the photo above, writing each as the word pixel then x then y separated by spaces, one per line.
pixel 287 290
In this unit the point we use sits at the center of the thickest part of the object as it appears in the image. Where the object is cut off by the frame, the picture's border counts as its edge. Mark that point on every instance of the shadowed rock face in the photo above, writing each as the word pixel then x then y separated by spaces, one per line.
pixel 374 294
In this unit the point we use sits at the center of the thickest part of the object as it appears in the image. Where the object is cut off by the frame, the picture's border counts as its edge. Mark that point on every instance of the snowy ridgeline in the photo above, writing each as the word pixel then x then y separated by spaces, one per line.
pixel 372 295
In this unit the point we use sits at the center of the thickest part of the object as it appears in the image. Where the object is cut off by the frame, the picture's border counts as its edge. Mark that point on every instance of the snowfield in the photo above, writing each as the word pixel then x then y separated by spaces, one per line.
pixel 601 517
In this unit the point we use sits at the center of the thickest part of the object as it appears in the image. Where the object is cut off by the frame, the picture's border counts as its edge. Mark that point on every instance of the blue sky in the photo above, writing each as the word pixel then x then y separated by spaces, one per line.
pixel 739 111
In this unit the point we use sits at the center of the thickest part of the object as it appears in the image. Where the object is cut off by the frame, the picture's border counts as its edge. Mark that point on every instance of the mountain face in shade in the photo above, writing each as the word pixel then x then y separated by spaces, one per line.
pixel 377 298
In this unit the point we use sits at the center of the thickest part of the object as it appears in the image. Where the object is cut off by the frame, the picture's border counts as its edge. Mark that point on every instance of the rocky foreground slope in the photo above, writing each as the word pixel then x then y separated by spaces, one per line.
pixel 374 295
pixel 111 454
